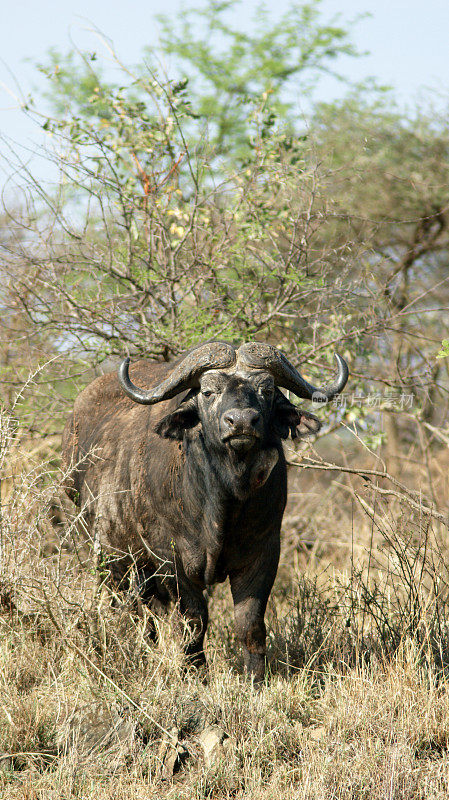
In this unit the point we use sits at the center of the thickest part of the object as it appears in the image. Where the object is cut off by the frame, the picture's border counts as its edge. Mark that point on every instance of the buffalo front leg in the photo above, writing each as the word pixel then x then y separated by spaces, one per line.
pixel 251 589
pixel 193 607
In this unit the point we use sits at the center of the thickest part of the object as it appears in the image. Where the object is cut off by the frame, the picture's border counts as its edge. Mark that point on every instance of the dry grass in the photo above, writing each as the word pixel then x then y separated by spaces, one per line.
pixel 355 703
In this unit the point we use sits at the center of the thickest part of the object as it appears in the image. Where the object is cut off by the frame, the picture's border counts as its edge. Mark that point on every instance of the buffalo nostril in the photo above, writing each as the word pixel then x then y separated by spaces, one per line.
pixel 254 417
pixel 229 419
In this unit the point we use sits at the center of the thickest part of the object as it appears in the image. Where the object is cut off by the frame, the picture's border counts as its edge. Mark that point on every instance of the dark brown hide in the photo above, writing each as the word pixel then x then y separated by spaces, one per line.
pixel 179 509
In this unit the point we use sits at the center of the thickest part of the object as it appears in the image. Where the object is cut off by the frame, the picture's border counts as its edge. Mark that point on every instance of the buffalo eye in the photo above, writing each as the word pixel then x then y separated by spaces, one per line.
pixel 207 393
pixel 265 391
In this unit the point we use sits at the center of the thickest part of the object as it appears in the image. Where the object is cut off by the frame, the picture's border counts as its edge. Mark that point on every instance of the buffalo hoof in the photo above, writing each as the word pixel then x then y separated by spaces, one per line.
pixel 196 662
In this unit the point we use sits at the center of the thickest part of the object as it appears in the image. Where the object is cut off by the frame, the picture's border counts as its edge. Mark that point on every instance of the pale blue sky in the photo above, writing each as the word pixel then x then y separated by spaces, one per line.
pixel 407 40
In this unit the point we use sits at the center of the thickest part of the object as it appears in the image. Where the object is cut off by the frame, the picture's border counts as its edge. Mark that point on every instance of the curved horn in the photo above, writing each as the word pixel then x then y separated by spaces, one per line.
pixel 185 375
pixel 257 355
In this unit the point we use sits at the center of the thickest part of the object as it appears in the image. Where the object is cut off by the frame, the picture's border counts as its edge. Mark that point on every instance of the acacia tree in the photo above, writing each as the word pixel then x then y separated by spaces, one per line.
pixel 171 241
pixel 278 62
pixel 389 194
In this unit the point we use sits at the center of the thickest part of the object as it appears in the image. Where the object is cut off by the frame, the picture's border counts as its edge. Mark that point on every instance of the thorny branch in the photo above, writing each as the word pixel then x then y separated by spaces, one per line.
pixel 408 496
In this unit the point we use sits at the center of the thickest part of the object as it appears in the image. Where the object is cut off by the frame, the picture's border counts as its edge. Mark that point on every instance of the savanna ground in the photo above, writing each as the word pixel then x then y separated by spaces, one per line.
pixel 355 703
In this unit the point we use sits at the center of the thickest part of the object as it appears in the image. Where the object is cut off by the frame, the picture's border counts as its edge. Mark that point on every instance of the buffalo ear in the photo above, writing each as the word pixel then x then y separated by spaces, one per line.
pixel 289 419
pixel 309 424
pixel 173 425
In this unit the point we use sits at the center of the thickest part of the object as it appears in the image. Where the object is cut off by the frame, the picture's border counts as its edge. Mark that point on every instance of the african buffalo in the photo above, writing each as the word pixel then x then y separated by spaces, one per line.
pixel 192 491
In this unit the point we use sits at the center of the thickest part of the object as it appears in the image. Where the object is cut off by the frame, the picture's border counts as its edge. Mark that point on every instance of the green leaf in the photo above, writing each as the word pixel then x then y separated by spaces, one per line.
pixel 444 352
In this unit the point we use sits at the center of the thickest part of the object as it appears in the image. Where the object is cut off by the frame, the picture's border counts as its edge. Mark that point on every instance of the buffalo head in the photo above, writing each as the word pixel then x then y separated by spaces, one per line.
pixel 234 395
